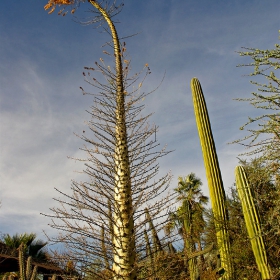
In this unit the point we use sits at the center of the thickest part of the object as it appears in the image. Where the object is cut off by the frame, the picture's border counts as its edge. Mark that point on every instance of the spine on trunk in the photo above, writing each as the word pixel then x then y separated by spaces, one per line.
pixel 252 220
pixel 213 173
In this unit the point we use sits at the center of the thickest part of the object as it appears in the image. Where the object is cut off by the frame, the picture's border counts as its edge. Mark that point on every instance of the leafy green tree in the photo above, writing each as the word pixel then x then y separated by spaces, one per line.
pixel 189 216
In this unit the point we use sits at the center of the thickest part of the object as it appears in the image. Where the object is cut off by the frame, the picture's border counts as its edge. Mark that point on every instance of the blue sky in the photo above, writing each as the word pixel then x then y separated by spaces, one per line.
pixel 41 62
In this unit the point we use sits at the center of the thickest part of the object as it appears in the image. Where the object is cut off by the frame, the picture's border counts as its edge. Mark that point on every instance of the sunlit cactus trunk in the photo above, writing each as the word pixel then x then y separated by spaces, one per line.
pixel 252 221
pixel 213 173
pixel 123 226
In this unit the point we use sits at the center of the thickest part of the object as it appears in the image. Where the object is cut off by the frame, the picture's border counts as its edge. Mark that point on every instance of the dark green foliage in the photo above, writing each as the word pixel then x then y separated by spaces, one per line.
pixel 34 248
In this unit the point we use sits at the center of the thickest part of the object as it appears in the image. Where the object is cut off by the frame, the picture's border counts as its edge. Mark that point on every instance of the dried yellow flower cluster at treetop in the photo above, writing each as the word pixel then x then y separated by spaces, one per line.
pixel 52 4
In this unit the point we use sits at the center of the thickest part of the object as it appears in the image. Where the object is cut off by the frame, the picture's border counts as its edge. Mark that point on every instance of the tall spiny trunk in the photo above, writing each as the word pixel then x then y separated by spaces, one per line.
pixel 123 239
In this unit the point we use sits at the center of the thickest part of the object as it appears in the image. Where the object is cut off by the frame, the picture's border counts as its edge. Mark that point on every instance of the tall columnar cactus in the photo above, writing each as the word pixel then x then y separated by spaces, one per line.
pixel 26 272
pixel 252 221
pixel 213 173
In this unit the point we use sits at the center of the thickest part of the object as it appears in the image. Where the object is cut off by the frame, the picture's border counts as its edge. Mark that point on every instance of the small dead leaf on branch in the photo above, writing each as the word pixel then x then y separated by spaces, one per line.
pixel 52 10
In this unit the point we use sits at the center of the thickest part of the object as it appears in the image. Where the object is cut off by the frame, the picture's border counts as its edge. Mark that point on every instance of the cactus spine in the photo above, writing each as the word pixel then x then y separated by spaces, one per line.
pixel 213 174
pixel 252 221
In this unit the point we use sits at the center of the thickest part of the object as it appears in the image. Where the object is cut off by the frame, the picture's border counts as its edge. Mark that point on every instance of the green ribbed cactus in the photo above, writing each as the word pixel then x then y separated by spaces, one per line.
pixel 252 221
pixel 213 173
pixel 26 272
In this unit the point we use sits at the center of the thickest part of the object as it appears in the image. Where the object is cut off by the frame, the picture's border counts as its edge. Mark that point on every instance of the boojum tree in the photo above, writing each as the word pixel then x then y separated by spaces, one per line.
pixel 122 161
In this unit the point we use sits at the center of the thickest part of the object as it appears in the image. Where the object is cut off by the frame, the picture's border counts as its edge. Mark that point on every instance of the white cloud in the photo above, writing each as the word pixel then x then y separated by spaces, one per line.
pixel 41 105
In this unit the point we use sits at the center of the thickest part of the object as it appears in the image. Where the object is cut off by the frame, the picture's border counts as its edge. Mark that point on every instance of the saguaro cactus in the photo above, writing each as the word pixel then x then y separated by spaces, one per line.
pixel 252 221
pixel 213 173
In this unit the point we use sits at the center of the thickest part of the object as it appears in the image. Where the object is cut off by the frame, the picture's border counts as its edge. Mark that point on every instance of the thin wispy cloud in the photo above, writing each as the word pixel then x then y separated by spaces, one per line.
pixel 41 62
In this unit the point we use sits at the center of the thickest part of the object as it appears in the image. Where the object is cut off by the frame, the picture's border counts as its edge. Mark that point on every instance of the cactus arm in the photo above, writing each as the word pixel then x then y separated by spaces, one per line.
pixel 252 221
pixel 28 271
pixel 34 273
pixel 213 174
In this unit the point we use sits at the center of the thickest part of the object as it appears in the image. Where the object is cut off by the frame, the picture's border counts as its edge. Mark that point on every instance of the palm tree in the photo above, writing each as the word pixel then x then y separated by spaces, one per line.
pixel 34 248
pixel 188 218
